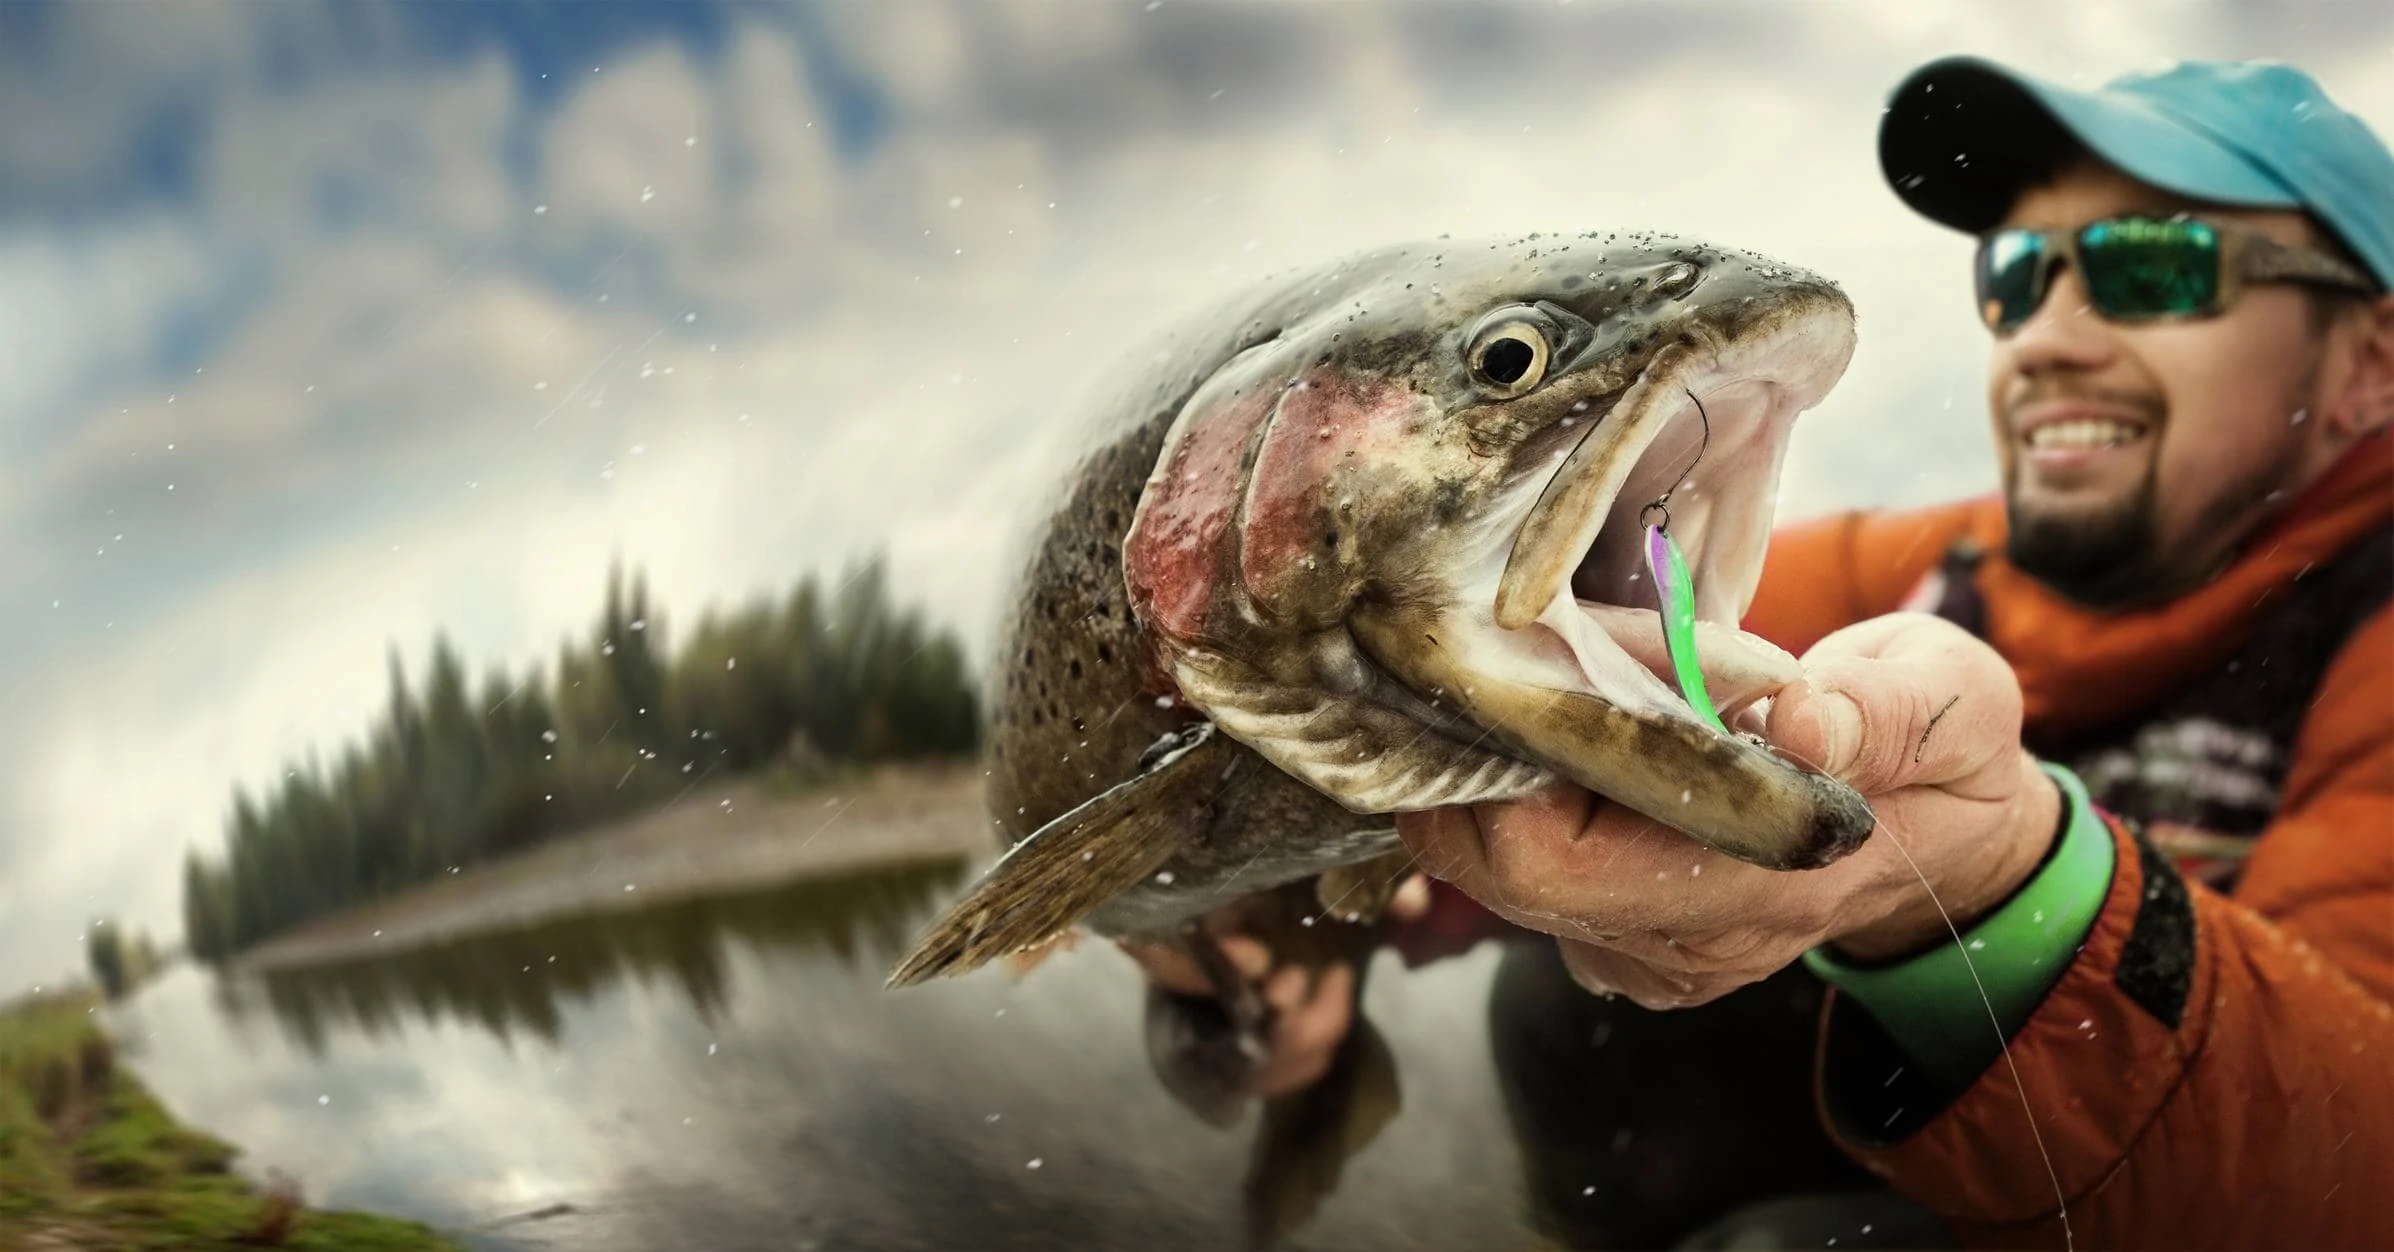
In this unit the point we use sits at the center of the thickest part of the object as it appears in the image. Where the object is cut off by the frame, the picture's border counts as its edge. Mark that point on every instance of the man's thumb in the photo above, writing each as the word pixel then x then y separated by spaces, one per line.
pixel 1924 706
pixel 1819 728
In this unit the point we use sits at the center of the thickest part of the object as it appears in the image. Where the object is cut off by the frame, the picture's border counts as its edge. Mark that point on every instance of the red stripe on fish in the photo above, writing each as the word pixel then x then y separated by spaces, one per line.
pixel 1172 558
pixel 1292 541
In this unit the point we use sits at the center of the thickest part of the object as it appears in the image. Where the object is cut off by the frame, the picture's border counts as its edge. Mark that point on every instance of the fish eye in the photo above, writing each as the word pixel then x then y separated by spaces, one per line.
pixel 1509 352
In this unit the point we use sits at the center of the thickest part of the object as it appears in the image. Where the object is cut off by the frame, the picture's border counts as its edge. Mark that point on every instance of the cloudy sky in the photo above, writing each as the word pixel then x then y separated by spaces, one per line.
pixel 331 325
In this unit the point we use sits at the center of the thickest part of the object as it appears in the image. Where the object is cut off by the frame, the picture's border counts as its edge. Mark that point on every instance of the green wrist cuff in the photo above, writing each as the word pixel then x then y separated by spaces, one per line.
pixel 1937 1005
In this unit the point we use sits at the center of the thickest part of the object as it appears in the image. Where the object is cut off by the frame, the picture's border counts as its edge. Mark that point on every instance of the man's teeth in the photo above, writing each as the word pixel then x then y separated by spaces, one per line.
pixel 2084 433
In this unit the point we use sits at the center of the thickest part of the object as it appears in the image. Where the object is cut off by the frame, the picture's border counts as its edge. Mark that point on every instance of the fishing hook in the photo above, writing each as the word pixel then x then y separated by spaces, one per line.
pixel 1662 503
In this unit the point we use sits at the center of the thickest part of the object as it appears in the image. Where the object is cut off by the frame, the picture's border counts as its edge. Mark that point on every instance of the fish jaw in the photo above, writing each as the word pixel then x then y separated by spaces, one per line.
pixel 1554 641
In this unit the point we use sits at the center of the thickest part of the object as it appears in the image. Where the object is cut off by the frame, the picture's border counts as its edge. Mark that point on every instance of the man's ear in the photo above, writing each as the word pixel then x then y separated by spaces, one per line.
pixel 2366 403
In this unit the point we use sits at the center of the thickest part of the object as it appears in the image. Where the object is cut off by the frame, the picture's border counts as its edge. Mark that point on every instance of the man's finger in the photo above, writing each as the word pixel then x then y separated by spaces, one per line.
pixel 1445 843
pixel 1601 970
pixel 1169 969
pixel 1250 956
pixel 1904 700
pixel 1305 1034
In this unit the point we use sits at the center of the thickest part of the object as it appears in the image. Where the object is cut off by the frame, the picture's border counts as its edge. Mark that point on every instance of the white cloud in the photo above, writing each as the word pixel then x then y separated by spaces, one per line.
pixel 77 306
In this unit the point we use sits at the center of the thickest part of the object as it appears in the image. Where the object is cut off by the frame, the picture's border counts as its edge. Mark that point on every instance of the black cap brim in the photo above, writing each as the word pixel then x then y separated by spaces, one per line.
pixel 1961 137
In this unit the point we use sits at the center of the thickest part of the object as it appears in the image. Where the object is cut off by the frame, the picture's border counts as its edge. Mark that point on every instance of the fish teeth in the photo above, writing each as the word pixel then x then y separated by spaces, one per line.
pixel 2089 432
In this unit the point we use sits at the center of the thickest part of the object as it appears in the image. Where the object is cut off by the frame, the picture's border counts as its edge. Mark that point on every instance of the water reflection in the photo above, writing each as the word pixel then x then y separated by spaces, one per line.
pixel 729 1073
pixel 516 981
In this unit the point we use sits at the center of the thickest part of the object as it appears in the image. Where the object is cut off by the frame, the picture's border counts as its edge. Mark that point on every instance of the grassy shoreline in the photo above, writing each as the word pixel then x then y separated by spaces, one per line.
pixel 91 1162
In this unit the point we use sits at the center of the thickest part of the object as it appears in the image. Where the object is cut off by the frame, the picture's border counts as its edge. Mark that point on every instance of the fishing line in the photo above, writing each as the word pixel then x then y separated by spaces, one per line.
pixel 1675 594
pixel 2061 1200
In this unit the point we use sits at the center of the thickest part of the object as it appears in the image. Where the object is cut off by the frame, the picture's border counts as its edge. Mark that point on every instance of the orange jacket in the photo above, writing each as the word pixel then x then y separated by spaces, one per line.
pixel 2264 1115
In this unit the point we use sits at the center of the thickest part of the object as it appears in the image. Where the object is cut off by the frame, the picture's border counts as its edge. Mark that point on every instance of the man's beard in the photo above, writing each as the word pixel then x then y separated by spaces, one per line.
pixel 2115 558
pixel 2102 560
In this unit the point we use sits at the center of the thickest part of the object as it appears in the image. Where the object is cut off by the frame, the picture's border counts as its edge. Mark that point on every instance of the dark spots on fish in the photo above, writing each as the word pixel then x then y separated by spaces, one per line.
pixel 1390 356
pixel 1105 654
pixel 1446 501
pixel 1074 668
pixel 1329 538
pixel 1572 282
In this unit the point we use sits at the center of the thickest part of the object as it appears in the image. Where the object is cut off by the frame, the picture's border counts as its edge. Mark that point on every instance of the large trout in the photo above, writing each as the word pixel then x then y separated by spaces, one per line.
pixel 1371 541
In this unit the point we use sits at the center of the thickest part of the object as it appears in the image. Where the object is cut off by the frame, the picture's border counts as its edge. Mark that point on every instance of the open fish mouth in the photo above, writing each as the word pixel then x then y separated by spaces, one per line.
pixel 1554 639
pixel 1697 443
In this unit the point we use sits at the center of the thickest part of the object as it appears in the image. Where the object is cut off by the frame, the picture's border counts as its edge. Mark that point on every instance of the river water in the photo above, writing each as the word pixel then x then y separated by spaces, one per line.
pixel 728 1073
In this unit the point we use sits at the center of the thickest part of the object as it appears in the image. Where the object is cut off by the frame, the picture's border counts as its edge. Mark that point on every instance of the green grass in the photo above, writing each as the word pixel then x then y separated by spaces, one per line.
pixel 90 1161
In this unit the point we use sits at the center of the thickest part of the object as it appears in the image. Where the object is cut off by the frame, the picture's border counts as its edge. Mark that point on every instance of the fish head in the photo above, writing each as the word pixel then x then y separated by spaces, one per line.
pixel 1398 544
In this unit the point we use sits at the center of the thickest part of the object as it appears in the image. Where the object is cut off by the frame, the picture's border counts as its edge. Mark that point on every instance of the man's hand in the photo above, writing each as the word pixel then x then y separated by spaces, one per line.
pixel 1909 710
pixel 1311 1012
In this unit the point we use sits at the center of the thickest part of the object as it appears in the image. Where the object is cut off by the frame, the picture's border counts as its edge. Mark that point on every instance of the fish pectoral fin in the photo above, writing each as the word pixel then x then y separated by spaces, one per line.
pixel 1360 893
pixel 1020 964
pixel 1059 873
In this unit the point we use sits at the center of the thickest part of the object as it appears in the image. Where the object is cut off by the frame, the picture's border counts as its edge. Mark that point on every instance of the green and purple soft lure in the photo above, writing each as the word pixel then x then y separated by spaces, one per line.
pixel 1674 589
pixel 1675 592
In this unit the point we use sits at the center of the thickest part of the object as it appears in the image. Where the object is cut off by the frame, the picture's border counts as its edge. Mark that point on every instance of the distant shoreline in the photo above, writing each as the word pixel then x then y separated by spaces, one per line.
pixel 739 833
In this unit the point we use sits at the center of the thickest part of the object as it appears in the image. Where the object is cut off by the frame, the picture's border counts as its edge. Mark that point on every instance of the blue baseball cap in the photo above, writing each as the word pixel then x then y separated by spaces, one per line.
pixel 1962 136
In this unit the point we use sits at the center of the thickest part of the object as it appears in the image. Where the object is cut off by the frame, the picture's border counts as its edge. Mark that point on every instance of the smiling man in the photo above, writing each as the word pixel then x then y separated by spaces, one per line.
pixel 2131 719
